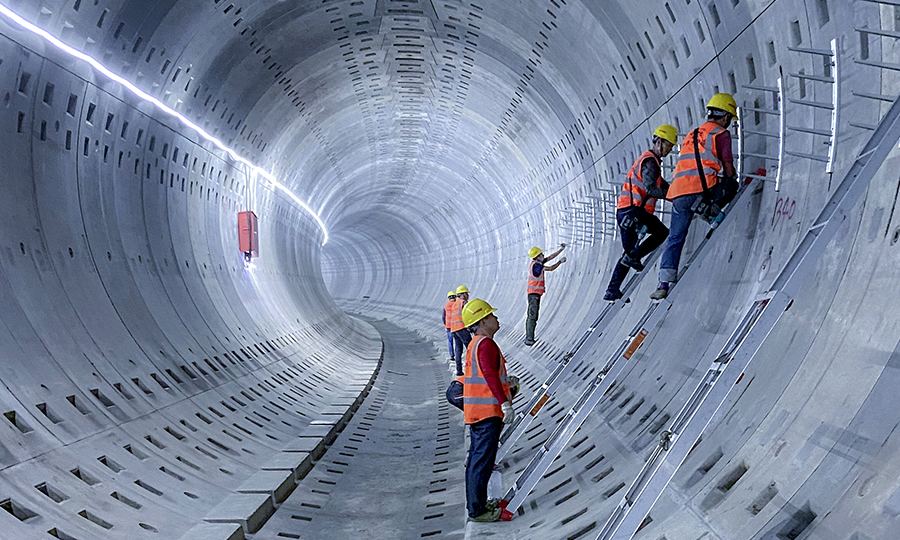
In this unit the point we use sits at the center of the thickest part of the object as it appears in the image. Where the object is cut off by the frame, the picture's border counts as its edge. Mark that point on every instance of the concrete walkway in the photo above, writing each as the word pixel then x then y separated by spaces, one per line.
pixel 396 470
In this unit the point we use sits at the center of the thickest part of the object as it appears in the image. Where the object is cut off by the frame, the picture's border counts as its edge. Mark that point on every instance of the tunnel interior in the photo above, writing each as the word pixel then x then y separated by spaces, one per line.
pixel 156 385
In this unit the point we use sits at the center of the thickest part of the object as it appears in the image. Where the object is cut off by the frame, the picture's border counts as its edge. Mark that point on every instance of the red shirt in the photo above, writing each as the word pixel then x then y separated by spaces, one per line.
pixel 489 366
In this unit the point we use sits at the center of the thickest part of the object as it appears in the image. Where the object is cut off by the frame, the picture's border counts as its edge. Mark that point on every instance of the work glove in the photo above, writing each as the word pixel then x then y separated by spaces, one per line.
pixel 509 414
pixel 562 260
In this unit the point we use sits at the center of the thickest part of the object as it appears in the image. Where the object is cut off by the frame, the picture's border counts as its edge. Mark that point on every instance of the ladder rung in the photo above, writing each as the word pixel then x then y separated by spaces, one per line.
pixel 764 111
pixel 760 88
pixel 879 32
pixel 817 104
pixel 821 52
pixel 882 65
pixel 820 78
pixel 761 156
pixel 823 159
pixel 862 126
pixel 761 133
pixel 759 177
pixel 804 129
pixel 879 97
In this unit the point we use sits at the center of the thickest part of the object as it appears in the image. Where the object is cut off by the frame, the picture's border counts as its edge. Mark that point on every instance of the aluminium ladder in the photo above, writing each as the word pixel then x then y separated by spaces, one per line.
pixel 594 393
pixel 520 425
pixel 709 398
pixel 569 363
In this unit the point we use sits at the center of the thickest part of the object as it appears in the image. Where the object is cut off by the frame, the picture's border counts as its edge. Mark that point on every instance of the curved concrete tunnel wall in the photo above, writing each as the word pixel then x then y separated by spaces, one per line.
pixel 438 141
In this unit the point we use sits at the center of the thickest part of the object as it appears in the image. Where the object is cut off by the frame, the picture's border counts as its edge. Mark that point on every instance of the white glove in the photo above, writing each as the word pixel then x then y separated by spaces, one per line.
pixel 562 260
pixel 509 414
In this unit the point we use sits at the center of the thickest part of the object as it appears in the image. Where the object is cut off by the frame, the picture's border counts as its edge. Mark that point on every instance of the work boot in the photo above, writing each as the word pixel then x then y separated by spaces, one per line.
pixel 612 295
pixel 661 292
pixel 627 260
pixel 489 516
pixel 529 342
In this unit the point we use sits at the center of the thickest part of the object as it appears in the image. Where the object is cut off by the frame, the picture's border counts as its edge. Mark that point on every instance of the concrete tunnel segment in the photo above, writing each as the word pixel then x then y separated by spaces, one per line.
pixel 155 387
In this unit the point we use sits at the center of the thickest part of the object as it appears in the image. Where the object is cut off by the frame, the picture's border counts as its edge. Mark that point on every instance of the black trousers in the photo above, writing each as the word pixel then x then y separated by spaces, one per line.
pixel 534 308
pixel 629 221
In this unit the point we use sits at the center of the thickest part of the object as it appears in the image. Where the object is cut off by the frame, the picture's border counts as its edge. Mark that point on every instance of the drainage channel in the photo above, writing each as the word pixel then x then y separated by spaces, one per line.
pixel 396 470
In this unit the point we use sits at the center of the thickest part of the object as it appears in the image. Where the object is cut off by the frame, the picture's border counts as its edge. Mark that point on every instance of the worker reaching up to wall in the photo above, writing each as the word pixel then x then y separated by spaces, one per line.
pixel 637 203
pixel 697 187
pixel 446 316
pixel 536 286
pixel 461 335
pixel 487 405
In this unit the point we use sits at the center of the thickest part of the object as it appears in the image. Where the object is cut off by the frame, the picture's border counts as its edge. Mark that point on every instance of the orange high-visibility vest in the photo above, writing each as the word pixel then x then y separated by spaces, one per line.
pixel 535 284
pixel 633 193
pixel 456 322
pixel 686 179
pixel 479 402
pixel 448 315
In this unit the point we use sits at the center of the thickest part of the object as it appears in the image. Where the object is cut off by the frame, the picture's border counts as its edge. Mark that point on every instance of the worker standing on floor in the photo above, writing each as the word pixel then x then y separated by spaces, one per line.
pixel 637 203
pixel 487 405
pixel 536 286
pixel 696 185
pixel 447 315
pixel 461 335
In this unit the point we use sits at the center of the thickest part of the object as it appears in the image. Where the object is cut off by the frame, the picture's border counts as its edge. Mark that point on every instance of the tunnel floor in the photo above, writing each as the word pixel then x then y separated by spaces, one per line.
pixel 396 470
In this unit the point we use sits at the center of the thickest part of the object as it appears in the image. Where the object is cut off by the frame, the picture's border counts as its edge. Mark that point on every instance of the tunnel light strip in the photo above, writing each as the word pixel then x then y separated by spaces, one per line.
pixel 17 19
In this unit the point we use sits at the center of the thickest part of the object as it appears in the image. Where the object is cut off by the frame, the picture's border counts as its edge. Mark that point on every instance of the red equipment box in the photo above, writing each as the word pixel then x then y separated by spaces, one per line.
pixel 248 233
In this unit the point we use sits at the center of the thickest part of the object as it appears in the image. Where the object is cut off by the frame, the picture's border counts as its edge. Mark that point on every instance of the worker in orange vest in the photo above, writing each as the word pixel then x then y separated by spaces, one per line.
pixel 446 316
pixel 536 286
pixel 487 405
pixel 461 335
pixel 637 203
pixel 697 187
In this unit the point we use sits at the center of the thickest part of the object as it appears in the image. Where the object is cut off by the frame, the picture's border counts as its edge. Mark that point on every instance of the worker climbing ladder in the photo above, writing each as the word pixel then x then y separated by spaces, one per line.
pixel 569 363
pixel 572 359
pixel 597 389
pixel 729 365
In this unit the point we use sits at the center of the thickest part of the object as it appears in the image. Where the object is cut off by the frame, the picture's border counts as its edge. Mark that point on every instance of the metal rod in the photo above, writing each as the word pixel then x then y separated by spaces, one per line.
pixel 781 129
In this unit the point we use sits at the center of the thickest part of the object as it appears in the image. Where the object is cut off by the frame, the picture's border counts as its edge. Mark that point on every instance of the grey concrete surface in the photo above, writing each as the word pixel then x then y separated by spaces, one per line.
pixel 394 471
pixel 148 376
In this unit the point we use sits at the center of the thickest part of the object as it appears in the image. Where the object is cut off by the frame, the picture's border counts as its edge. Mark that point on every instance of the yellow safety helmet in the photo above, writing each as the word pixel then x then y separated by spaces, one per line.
pixel 462 289
pixel 475 310
pixel 723 102
pixel 451 294
pixel 534 252
pixel 668 133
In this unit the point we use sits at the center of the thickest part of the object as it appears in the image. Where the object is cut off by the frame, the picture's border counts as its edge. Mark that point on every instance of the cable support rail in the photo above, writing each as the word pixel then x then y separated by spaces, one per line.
pixel 761 133
pixel 813 157
pixel 813 131
pixel 570 362
pixel 761 156
pixel 868 95
pixel 760 110
pixel 763 315
pixel 882 65
pixel 598 388
pixel 760 88
pixel 879 32
pixel 820 52
pixel 809 103
pixel 810 77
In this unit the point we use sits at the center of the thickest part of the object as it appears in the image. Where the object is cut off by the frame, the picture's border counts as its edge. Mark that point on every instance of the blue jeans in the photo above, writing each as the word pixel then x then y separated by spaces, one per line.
pixel 450 342
pixel 678 228
pixel 484 439
pixel 461 339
